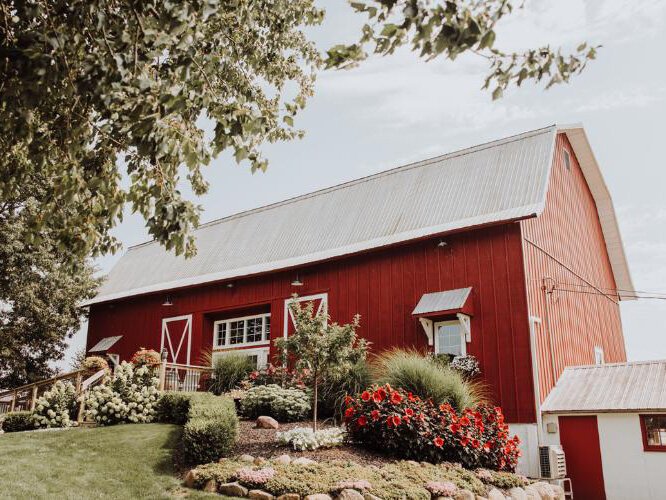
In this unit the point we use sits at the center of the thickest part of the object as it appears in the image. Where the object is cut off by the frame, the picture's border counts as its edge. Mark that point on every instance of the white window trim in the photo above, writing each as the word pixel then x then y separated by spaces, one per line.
pixel 166 335
pixel 228 346
pixel 463 339
pixel 260 352
pixel 289 316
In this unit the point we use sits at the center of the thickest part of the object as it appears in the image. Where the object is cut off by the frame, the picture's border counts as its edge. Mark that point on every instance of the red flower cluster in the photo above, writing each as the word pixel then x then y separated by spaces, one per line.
pixel 402 424
pixel 146 357
pixel 279 375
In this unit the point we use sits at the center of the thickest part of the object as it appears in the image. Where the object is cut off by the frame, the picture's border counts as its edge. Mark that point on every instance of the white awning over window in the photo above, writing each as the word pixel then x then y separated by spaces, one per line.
pixel 105 344
pixel 438 302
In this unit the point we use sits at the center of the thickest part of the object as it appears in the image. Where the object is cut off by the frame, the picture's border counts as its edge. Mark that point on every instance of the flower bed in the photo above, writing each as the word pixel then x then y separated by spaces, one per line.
pixel 396 480
pixel 393 421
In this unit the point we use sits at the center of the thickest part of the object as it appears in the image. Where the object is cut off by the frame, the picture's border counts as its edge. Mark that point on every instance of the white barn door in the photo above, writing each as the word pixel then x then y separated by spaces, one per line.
pixel 177 338
pixel 320 302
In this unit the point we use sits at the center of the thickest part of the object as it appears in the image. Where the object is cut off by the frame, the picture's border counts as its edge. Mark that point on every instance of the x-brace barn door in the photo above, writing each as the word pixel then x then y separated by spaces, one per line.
pixel 177 338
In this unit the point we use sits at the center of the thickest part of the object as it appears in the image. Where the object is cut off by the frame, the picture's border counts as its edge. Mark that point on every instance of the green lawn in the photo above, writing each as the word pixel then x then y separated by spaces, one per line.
pixel 123 461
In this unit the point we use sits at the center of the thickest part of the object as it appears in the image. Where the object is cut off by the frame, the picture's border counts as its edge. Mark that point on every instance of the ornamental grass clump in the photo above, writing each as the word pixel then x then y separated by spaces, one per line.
pixel 229 371
pixel 56 407
pixel 400 423
pixel 426 378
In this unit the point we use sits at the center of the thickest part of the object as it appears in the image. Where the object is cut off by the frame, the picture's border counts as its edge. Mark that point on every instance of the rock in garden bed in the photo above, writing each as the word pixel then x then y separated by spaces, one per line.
pixel 348 480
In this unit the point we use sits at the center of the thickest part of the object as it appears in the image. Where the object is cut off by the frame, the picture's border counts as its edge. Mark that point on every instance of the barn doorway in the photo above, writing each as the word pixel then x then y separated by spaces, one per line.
pixel 177 339
pixel 579 436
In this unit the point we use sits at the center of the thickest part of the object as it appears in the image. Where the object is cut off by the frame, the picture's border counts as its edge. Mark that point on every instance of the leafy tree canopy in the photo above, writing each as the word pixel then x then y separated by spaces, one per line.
pixel 92 90
pixel 40 287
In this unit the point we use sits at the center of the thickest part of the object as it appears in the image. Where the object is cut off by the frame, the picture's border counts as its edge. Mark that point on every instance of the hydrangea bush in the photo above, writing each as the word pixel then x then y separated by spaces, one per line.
pixel 285 405
pixel 400 423
pixel 57 406
pixel 304 438
pixel 131 396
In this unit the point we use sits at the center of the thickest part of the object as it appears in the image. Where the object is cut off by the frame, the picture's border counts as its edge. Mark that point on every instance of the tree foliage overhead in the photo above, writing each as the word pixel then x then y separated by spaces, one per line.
pixel 95 90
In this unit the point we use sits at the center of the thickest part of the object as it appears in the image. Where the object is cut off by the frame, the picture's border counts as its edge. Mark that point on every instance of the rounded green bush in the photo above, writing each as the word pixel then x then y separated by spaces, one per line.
pixel 17 421
pixel 284 405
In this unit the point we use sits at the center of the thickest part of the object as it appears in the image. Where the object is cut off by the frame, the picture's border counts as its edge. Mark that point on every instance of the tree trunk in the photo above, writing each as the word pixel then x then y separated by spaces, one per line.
pixel 314 405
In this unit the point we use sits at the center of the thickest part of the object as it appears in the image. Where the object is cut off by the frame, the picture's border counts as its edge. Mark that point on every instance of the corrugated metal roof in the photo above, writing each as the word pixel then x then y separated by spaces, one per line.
pixel 616 387
pixel 442 301
pixel 105 344
pixel 494 182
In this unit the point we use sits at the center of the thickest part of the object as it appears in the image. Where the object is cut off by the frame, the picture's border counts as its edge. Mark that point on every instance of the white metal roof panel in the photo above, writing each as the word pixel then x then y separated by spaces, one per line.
pixel 442 301
pixel 105 344
pixel 619 387
pixel 494 182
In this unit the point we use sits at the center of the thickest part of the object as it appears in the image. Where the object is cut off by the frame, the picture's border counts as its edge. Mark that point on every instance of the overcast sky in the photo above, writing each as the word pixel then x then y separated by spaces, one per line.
pixel 399 109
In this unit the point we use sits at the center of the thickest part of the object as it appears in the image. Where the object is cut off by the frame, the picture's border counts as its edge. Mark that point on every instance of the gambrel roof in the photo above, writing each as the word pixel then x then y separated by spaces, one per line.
pixel 495 182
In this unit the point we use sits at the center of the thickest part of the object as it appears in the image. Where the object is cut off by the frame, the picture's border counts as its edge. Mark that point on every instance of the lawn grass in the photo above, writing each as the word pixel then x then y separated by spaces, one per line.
pixel 123 461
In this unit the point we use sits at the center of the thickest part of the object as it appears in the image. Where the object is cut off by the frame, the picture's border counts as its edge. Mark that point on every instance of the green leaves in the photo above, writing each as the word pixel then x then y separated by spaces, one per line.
pixel 449 29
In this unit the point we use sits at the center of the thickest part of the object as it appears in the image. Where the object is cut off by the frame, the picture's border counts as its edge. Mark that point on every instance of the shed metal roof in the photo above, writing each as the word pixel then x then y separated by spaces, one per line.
pixel 499 181
pixel 618 387
pixel 105 344
pixel 442 301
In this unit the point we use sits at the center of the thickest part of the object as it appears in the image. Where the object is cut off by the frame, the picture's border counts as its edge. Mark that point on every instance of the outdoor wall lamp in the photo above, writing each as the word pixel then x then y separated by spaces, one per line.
pixel 167 301
pixel 297 281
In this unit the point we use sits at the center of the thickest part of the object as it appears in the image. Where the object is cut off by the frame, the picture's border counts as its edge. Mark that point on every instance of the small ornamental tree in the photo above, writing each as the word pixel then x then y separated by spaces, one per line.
pixel 322 347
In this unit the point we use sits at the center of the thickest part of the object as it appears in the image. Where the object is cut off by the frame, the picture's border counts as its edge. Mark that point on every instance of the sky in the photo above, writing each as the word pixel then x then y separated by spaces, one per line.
pixel 394 110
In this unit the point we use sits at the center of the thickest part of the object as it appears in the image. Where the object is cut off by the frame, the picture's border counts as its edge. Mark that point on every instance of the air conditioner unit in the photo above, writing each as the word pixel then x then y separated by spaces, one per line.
pixel 551 460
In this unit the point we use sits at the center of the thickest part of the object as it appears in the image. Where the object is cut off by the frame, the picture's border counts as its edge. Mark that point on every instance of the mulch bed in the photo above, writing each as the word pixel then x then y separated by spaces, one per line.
pixel 262 443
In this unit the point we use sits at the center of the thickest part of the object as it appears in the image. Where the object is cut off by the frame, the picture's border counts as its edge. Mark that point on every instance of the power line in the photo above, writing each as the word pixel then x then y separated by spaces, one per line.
pixel 615 289
pixel 625 295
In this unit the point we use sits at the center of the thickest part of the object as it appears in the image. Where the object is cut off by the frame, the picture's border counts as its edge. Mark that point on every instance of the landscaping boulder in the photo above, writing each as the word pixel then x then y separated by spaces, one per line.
pixel 289 496
pixel 210 486
pixel 517 494
pixel 283 460
pixel 558 491
pixel 233 490
pixel 544 490
pixel 464 495
pixel 246 458
pixel 349 494
pixel 190 479
pixel 318 496
pixel 370 496
pixel 260 495
pixel 265 422
pixel 496 494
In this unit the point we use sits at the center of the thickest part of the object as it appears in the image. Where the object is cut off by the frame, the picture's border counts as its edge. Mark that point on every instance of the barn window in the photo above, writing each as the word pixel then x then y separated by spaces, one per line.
pixel 567 160
pixel 258 356
pixel 450 338
pixel 239 332
pixel 653 428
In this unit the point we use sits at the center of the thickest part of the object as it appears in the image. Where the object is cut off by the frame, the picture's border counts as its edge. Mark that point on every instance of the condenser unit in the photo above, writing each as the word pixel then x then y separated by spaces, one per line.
pixel 551 460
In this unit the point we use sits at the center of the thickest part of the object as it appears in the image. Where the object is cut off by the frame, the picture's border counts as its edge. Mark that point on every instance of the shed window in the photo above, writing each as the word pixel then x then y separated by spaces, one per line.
pixel 567 160
pixel 238 332
pixel 449 338
pixel 653 428
pixel 258 356
pixel 599 355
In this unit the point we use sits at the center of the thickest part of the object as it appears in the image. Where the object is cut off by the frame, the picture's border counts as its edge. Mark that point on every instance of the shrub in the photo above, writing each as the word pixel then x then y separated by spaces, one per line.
pixel 131 396
pixel 56 407
pixel 17 421
pixel 407 426
pixel 173 408
pixel 229 371
pixel 94 364
pixel 502 480
pixel 211 428
pixel 285 405
pixel 416 373
pixel 334 387
pixel 304 438
pixel 254 478
pixel 146 357
pixel 280 375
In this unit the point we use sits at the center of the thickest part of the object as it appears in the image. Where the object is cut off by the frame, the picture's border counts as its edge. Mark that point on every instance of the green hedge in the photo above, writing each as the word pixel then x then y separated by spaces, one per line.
pixel 211 429
pixel 17 421
pixel 173 407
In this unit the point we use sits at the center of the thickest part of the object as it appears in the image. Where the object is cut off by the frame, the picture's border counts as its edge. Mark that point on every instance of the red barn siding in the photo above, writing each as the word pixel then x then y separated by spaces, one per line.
pixel 565 251
pixel 383 287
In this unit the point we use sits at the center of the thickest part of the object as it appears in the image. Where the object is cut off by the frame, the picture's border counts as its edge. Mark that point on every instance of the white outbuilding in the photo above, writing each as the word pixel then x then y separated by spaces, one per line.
pixel 611 422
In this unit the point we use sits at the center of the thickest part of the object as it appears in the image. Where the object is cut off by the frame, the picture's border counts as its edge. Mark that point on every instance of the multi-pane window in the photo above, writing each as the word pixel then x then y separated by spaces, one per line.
pixel 654 432
pixel 449 338
pixel 236 332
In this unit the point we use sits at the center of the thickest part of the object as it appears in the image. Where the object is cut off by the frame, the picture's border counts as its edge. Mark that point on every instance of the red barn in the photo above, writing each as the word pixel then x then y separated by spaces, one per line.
pixel 509 251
